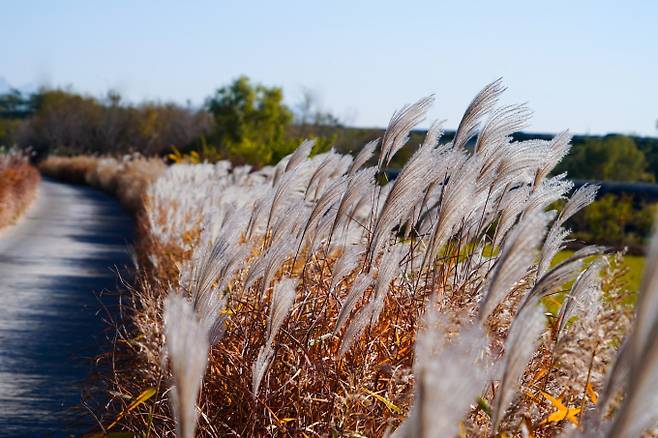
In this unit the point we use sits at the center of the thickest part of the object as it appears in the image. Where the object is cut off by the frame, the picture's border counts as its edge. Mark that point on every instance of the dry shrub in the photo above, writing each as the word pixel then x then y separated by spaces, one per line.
pixel 313 299
pixel 19 182
pixel 127 178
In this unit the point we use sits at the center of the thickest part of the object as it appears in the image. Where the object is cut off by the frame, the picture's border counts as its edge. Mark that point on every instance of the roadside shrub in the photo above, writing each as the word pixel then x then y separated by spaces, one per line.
pixel 19 182
pixel 616 221
pixel 127 178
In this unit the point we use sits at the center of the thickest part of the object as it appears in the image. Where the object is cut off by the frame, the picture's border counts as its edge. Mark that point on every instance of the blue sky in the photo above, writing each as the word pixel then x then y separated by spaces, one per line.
pixel 590 66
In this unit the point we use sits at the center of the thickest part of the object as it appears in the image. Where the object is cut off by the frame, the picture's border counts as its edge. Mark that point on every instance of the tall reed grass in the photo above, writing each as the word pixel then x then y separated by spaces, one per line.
pixel 315 298
pixel 19 183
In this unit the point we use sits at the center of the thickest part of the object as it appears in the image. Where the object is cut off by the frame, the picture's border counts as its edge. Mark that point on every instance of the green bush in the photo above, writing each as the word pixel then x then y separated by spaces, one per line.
pixel 615 221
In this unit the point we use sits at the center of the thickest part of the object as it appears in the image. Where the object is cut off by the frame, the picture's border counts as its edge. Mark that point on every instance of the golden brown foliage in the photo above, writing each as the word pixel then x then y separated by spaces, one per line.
pixel 19 182
pixel 127 178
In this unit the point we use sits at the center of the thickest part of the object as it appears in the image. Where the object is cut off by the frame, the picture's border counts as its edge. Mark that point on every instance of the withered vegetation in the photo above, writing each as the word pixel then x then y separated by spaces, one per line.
pixel 19 182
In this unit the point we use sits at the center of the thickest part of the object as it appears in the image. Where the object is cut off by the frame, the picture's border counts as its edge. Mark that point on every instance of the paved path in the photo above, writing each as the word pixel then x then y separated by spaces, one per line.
pixel 53 265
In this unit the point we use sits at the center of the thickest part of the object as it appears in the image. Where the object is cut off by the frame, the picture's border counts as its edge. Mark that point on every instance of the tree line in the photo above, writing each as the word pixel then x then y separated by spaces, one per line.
pixel 249 123
pixel 242 121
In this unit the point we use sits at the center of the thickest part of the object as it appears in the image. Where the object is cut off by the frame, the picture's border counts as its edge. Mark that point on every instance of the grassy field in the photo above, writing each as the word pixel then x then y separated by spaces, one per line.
pixel 633 264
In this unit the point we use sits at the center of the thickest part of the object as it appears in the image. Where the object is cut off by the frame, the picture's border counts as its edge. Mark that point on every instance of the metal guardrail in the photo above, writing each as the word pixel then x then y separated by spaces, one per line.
pixel 638 190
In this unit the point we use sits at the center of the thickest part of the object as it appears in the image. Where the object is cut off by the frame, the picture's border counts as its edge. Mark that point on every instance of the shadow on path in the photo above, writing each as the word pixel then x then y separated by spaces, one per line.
pixel 54 266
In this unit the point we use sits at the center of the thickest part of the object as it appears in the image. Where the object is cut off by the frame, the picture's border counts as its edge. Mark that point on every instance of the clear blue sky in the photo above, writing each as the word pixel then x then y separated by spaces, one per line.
pixel 591 66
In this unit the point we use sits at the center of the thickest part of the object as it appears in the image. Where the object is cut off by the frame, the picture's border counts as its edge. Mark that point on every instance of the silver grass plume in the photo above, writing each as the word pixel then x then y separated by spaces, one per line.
pixel 263 360
pixel 322 173
pixel 448 161
pixel 558 148
pixel 647 302
pixel 483 102
pixel 358 324
pixel 279 170
pixel 639 410
pixel 580 199
pixel 211 271
pixel 332 167
pixel 331 196
pixel 269 262
pixel 358 185
pixel 549 191
pixel 442 394
pixel 291 220
pixel 513 202
pixel 187 348
pixel 388 270
pixel 362 282
pixel 345 264
pixel 457 202
pixel 300 154
pixel 560 274
pixel 502 124
pixel 233 264
pixel 513 164
pixel 519 347
pixel 584 297
pixel 433 134
pixel 516 257
pixel 402 122
pixel 291 185
pixel 342 167
pixel 284 250
pixel 323 233
pixel 555 239
pixel 283 297
pixel 407 191
pixel 507 163
pixel 363 156
pixel 616 379
pixel 369 314
pixel 257 211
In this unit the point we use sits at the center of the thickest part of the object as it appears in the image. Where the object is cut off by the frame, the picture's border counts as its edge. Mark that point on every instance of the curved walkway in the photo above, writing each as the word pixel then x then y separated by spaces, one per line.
pixel 54 265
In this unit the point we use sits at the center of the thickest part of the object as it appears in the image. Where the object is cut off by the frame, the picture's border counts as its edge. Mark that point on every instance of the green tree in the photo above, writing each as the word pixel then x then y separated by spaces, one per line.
pixel 250 122
pixel 615 158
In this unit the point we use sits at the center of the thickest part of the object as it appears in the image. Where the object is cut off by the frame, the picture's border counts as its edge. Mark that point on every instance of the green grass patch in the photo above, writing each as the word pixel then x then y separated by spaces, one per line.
pixel 634 264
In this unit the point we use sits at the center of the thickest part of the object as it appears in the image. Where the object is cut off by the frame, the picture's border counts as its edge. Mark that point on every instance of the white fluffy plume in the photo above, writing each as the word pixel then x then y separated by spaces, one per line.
pixel 187 348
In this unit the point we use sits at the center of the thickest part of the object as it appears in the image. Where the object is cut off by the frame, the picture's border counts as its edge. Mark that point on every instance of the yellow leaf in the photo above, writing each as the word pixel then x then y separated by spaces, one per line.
pixel 591 393
pixel 389 404
pixel 141 398
pixel 561 412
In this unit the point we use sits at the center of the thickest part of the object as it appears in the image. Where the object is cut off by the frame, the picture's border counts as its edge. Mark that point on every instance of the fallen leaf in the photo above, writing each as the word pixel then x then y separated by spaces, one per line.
pixel 591 393
pixel 562 412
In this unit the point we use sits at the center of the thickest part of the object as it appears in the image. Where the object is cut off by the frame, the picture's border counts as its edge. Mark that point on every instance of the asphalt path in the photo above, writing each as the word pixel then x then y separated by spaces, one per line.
pixel 58 265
